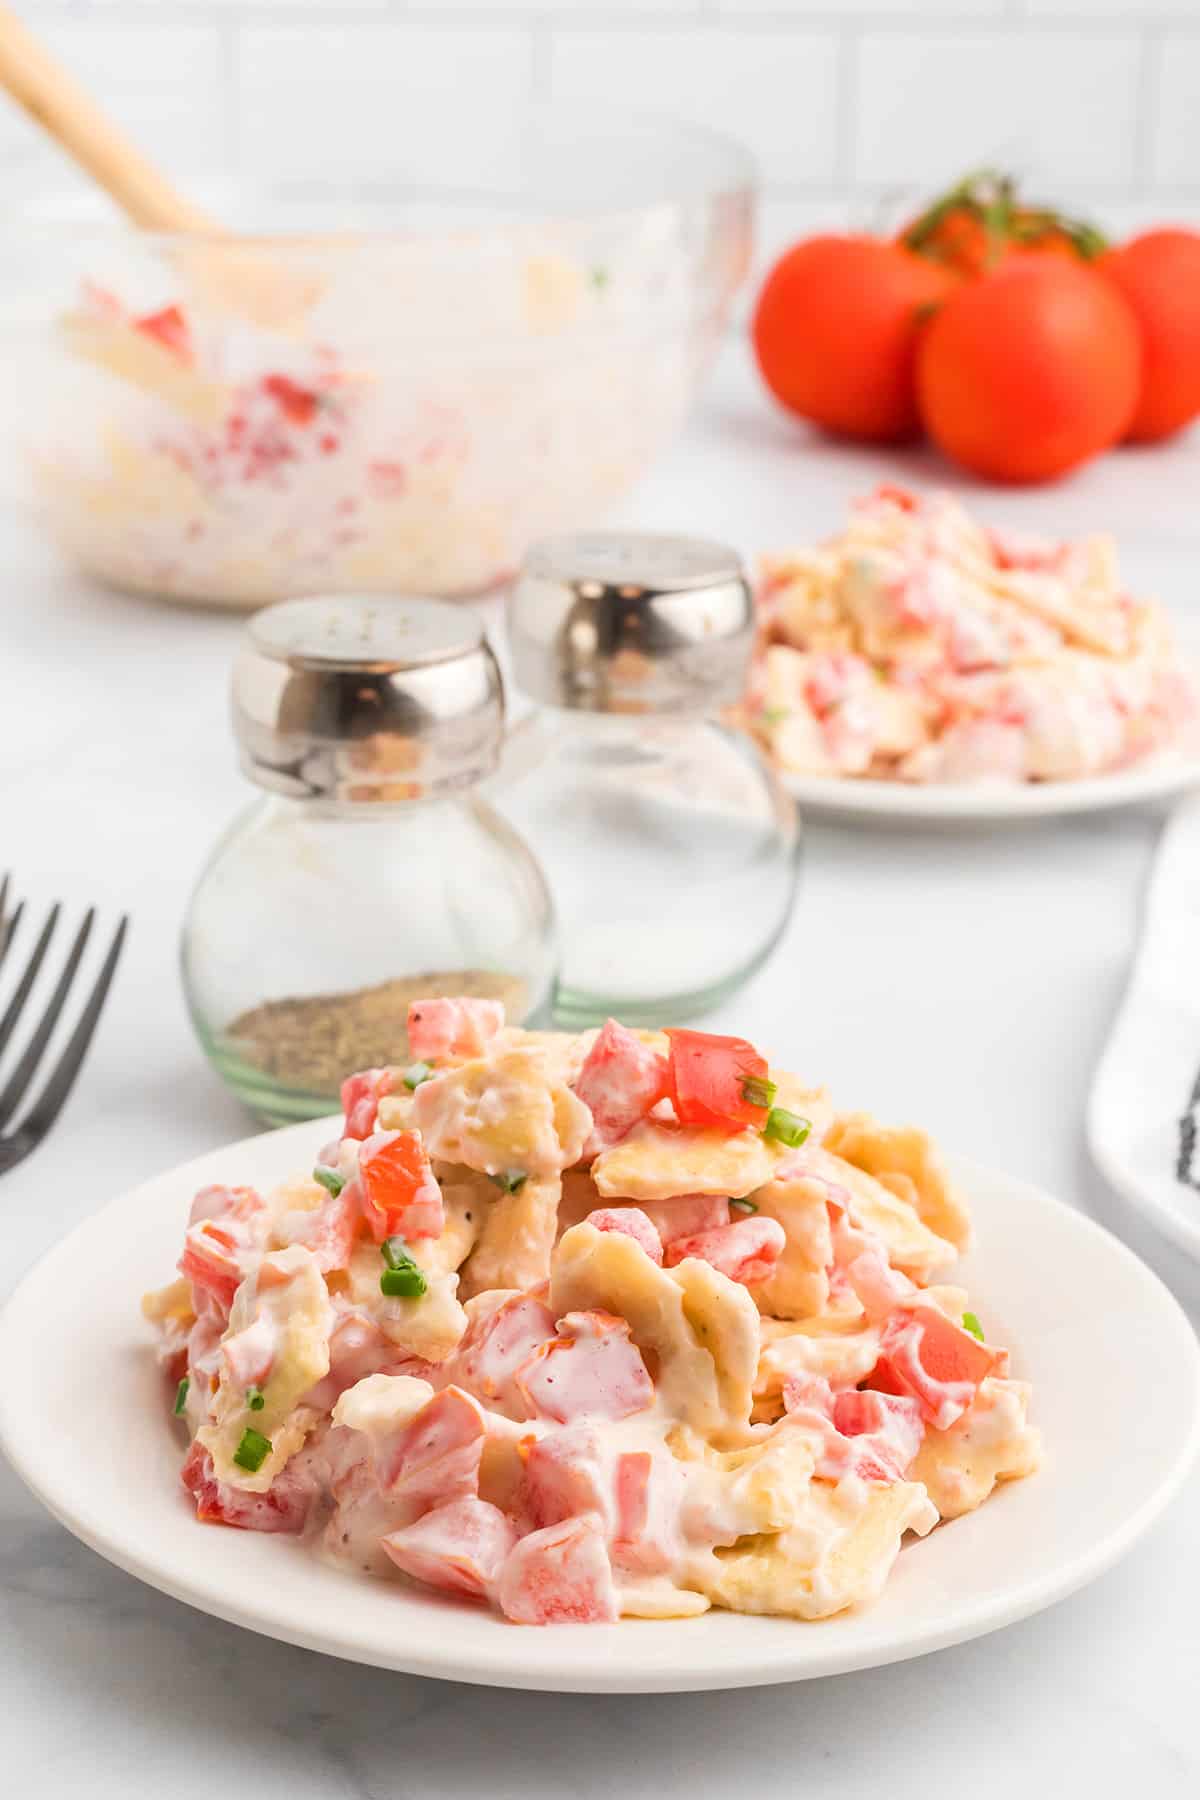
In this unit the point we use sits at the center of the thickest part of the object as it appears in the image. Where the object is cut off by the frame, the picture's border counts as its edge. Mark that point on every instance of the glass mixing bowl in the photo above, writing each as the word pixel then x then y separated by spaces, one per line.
pixel 380 385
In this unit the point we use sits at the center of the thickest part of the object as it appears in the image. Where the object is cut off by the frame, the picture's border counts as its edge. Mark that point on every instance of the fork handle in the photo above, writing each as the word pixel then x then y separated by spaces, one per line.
pixel 55 101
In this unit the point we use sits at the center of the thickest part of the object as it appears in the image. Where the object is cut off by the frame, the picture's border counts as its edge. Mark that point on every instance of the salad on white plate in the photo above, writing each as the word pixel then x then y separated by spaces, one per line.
pixel 587 1327
pixel 922 649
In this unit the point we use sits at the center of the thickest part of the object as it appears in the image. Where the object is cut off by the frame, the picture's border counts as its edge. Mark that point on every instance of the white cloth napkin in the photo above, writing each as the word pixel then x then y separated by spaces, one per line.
pixel 1144 1111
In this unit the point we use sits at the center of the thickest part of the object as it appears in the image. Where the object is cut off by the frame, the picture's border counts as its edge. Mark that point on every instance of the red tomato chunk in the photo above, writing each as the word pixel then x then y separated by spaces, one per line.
pixel 708 1077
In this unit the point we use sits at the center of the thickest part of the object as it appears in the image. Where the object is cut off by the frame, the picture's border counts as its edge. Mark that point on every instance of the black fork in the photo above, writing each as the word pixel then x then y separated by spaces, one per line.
pixel 17 1143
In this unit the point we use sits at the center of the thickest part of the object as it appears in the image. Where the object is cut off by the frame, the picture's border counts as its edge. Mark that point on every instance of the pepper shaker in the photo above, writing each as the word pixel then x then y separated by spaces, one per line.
pixel 371 871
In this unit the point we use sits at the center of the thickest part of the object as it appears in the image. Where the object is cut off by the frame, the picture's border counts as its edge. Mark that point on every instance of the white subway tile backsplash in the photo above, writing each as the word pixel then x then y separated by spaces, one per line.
pixel 854 11
pixel 330 101
pixel 1175 112
pixel 163 81
pixel 776 90
pixel 847 103
pixel 1057 107
pixel 1130 12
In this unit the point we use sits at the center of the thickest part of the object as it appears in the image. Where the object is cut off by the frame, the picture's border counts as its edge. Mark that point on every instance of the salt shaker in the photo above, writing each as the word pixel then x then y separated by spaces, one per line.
pixel 671 848
pixel 371 871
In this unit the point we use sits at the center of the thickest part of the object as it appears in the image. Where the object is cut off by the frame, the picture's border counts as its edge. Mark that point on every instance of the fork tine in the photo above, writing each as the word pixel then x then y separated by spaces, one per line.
pixel 7 936
pixel 54 1094
pixel 23 1073
pixel 17 1004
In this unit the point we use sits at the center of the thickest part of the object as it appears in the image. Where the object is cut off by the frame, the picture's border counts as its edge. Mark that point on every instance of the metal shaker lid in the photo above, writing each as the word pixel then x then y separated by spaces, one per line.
pixel 362 698
pixel 631 622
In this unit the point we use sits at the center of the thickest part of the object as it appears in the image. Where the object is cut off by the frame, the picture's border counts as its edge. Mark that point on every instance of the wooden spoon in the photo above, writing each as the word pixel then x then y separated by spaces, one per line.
pixel 234 279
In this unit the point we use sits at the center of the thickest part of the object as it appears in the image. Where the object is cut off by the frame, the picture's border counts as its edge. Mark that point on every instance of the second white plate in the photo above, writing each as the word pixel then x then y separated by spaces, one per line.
pixel 1101 1338
pixel 897 802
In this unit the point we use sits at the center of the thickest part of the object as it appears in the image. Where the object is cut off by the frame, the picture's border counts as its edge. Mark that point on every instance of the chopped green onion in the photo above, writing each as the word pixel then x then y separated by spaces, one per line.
pixel 786 1127
pixel 181 1393
pixel 255 1399
pixel 414 1076
pixel 394 1252
pixel 402 1279
pixel 511 1180
pixel 971 1324
pixel 253 1450
pixel 775 715
pixel 329 1178
pixel 758 1091
pixel 746 1206
pixel 599 278
pixel 403 1284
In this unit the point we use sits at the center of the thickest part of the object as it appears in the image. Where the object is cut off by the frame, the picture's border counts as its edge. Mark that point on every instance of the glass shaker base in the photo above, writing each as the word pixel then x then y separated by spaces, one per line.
pixel 576 1008
pixel 270 1100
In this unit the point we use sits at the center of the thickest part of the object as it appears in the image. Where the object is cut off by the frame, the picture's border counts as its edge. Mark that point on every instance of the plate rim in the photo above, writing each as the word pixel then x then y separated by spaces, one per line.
pixel 1005 1605
pixel 992 803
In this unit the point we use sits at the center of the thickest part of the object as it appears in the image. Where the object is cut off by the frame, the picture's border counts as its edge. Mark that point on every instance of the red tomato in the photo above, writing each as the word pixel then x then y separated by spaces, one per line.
pixel 170 329
pixel 297 404
pixel 1159 275
pixel 284 1506
pixel 836 330
pixel 926 1355
pixel 708 1077
pixel 361 1095
pixel 1030 371
pixel 399 1193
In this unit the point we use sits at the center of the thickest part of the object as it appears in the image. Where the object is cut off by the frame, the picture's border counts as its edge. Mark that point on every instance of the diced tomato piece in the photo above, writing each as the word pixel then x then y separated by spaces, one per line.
pixel 361 1095
pixel 901 497
pixel 708 1076
pixel 357 1348
pixel 330 1230
pixel 565 1476
pixel 298 404
pixel 284 1506
pixel 620 1081
pixel 924 1354
pixel 218 1202
pixel 559 1576
pixel 210 1261
pixel 746 1249
pixel 460 1547
pixel 438 1028
pixel 168 328
pixel 592 1367
pixel 632 1222
pixel 398 1191
pixel 497 1343
pixel 878 1287
pixel 809 1394
pixel 874 1436
pixel 686 1215
pixel 435 1457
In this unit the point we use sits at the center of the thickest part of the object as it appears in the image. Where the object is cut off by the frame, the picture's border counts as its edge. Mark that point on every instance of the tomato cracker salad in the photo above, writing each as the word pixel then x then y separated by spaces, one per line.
pixel 623 1324
pixel 406 434
pixel 918 646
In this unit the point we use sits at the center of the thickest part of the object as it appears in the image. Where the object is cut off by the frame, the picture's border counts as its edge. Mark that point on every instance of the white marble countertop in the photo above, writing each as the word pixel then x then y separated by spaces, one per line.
pixel 963 980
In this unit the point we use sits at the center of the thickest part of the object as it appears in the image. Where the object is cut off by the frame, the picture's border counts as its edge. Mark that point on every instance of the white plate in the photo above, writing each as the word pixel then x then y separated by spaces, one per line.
pixel 1114 1360
pixel 995 803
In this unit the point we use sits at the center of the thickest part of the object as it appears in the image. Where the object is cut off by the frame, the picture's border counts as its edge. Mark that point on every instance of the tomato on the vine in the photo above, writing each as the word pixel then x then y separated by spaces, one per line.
pixel 979 222
pixel 1030 370
pixel 836 330
pixel 1159 275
